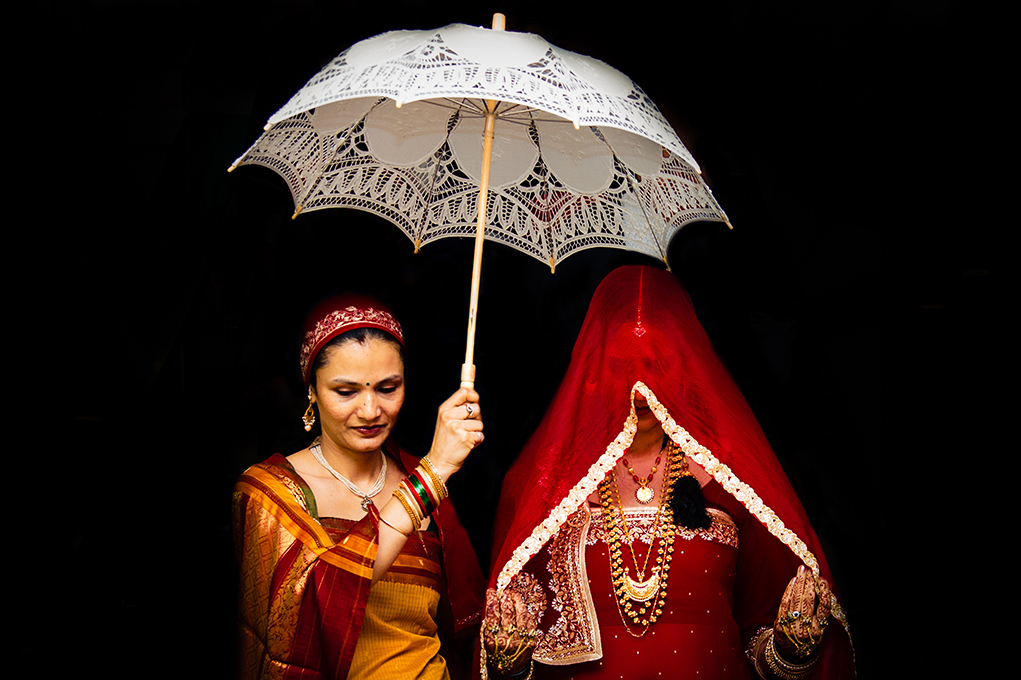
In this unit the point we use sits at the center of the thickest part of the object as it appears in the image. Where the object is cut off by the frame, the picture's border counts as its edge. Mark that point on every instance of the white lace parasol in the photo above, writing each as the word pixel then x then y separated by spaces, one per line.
pixel 570 153
pixel 581 157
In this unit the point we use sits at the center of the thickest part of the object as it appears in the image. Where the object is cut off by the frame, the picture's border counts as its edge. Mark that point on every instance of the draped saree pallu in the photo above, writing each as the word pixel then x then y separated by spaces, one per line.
pixel 641 337
pixel 308 606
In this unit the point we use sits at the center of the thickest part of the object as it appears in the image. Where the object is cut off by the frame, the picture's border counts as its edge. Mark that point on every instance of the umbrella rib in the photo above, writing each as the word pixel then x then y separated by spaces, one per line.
pixel 520 114
pixel 631 186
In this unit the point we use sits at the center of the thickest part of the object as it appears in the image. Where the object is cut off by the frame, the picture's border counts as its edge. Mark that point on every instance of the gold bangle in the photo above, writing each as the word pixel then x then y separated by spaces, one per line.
pixel 756 651
pixel 782 668
pixel 434 476
pixel 416 521
pixel 383 520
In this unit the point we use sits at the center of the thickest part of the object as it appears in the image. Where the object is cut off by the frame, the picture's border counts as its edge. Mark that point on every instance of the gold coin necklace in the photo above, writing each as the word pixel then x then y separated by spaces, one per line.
pixel 640 599
pixel 643 493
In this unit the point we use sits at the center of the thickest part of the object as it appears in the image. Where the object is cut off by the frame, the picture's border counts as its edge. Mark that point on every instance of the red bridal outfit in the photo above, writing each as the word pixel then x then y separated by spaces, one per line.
pixel 724 582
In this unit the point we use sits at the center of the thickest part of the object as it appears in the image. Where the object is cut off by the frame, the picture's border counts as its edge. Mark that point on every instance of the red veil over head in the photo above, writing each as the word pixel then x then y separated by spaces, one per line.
pixel 641 335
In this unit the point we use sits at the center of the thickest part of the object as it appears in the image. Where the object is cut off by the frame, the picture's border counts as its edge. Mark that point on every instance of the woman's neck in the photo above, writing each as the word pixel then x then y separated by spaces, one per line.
pixel 647 443
pixel 361 468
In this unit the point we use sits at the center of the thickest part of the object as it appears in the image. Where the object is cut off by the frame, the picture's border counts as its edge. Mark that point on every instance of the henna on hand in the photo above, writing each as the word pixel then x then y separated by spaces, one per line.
pixel 802 617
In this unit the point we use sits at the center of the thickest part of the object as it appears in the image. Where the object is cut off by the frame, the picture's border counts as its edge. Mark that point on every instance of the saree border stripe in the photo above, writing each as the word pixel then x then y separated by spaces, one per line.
pixel 355 554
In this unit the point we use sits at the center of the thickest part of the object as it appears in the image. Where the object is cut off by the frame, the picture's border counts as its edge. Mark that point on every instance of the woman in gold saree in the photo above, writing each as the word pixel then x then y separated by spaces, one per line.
pixel 350 557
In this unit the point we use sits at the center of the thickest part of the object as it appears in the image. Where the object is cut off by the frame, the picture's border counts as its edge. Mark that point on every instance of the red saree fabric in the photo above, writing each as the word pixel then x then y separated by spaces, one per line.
pixel 641 335
pixel 304 592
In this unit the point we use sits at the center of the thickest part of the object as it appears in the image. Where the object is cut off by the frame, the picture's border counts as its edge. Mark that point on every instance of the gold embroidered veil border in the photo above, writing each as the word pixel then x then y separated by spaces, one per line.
pixel 700 454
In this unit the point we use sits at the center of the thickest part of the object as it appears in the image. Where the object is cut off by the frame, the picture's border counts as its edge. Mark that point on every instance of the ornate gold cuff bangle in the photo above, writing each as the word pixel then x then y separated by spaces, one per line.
pixel 783 668
pixel 756 651
pixel 520 675
pixel 434 477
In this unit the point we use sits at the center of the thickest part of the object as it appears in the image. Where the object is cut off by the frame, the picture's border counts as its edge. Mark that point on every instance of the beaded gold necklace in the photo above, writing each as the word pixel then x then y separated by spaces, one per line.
pixel 645 589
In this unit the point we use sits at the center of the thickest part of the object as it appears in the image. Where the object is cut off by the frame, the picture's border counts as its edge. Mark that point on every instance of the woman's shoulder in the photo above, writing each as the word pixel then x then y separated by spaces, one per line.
pixel 277 480
pixel 276 466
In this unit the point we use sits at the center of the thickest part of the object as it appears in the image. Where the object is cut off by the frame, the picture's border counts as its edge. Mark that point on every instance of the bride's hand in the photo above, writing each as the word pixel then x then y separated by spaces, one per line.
pixel 803 616
pixel 508 632
pixel 458 431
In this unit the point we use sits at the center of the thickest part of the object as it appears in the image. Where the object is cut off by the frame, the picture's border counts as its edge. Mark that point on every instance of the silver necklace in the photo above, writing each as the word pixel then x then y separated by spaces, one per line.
pixel 317 453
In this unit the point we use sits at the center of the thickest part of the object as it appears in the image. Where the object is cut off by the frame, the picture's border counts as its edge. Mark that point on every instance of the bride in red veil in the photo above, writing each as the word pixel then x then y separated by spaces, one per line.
pixel 647 431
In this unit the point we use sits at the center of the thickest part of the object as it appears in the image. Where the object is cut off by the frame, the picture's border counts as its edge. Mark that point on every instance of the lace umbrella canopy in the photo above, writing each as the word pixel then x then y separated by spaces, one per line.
pixel 578 156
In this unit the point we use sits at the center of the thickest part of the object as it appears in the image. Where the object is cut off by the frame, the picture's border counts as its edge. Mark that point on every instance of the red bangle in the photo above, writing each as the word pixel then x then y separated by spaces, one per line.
pixel 428 488
pixel 419 493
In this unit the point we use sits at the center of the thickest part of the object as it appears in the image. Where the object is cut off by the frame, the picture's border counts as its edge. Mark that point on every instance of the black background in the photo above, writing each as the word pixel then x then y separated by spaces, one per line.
pixel 858 301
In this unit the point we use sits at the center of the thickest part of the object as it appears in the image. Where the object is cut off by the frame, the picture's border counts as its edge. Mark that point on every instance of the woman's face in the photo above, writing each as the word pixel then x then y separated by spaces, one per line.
pixel 360 391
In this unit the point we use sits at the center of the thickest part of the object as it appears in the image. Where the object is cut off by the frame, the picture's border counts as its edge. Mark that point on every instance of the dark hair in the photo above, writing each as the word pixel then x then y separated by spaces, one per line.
pixel 359 335
pixel 688 504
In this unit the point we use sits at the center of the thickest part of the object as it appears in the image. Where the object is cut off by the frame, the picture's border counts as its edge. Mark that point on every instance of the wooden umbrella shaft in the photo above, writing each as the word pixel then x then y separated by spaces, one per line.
pixel 468 367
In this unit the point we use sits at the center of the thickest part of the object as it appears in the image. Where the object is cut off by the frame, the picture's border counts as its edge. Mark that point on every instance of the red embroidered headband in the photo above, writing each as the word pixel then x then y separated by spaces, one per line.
pixel 340 314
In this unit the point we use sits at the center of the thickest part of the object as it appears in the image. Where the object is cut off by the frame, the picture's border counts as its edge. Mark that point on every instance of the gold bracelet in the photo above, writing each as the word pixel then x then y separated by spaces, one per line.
pixel 383 520
pixel 434 476
pixel 520 675
pixel 756 645
pixel 416 521
pixel 783 668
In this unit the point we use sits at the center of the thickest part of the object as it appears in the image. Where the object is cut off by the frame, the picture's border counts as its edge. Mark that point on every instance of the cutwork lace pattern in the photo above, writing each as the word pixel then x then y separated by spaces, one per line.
pixel 540 215
pixel 434 198
pixel 433 64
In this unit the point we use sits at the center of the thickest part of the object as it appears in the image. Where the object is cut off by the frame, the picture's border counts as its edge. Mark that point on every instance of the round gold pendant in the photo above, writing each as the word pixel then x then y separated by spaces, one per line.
pixel 644 494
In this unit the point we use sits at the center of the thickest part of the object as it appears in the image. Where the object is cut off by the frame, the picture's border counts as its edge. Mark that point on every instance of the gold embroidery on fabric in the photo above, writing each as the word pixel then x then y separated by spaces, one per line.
pixel 345 317
pixel 641 524
pixel 570 504
pixel 276 613
pixel 728 480
pixel 295 490
pixel 574 636
pixel 738 489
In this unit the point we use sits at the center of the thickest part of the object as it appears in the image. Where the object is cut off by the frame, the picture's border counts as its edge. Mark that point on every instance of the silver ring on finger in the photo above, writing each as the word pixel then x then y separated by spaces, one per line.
pixel 470 408
pixel 478 438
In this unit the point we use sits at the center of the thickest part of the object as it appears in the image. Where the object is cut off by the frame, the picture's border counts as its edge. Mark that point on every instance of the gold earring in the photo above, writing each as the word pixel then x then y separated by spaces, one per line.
pixel 310 416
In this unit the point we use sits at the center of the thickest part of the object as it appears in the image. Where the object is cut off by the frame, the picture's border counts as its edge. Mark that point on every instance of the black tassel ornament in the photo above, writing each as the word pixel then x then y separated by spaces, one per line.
pixel 688 503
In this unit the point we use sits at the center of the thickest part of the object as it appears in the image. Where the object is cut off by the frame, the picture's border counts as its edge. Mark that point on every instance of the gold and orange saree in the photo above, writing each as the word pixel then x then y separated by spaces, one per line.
pixel 305 586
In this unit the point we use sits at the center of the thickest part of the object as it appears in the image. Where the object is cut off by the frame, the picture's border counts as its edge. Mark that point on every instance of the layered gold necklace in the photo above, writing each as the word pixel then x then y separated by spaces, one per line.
pixel 641 599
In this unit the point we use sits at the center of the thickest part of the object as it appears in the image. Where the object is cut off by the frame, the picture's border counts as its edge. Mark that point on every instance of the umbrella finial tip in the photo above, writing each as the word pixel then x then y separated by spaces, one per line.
pixel 296 211
pixel 231 168
pixel 267 127
pixel 399 103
